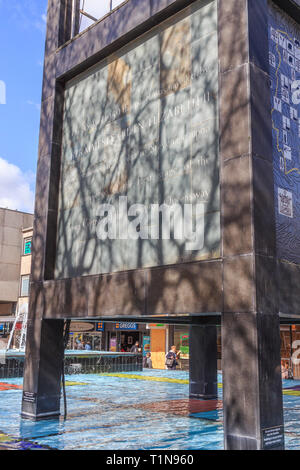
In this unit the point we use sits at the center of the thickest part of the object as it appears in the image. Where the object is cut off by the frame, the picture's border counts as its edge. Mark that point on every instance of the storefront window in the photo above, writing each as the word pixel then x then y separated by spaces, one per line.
pixel 89 339
pixel 113 342
pixel 128 339
pixel 290 341
pixel 286 336
pixel 181 341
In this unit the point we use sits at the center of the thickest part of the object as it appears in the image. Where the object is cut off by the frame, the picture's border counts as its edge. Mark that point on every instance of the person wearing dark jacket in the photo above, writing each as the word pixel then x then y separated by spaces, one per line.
pixel 135 348
pixel 171 358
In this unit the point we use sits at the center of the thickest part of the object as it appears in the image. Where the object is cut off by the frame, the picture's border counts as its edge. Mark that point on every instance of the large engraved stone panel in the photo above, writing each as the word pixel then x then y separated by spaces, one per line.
pixel 141 127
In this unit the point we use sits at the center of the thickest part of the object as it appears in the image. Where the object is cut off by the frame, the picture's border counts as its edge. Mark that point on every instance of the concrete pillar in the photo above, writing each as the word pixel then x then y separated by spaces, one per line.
pixel 252 388
pixel 43 367
pixel 203 362
pixel 44 344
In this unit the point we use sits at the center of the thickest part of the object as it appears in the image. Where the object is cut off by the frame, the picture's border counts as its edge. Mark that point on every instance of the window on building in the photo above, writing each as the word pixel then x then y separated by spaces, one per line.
pixel 91 11
pixel 27 246
pixel 24 286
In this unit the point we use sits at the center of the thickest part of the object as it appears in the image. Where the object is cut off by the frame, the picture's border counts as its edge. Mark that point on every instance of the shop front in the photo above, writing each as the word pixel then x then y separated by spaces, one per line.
pixel 290 350
pixel 86 335
pixel 181 341
pixel 164 336
pixel 107 336
pixel 121 336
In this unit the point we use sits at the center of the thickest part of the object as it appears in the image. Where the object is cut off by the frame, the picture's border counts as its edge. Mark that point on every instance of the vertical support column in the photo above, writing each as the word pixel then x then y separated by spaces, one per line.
pixel 252 389
pixel 42 378
pixel 171 336
pixel 44 344
pixel 203 362
pixel 252 398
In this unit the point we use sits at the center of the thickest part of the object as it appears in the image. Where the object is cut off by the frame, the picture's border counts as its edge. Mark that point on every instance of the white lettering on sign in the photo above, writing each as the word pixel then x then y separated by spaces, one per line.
pixel 296 91
pixel 126 326
pixel 273 437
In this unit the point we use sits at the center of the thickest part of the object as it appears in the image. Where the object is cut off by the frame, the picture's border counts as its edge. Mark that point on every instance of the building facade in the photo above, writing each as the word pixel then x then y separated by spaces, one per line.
pixel 23 295
pixel 12 224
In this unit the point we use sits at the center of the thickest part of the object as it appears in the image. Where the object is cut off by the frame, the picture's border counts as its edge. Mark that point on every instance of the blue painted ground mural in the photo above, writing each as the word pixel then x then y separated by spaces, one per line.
pixel 284 58
pixel 146 410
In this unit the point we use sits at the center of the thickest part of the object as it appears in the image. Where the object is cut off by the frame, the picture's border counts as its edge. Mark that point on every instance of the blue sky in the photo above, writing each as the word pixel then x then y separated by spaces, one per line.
pixel 22 40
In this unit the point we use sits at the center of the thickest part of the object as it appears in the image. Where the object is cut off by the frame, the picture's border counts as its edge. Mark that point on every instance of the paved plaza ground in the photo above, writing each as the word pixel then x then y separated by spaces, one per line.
pixel 146 410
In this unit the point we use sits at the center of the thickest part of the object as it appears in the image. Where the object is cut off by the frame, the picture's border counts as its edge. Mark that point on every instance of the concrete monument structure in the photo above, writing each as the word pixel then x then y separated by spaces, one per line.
pixel 172 102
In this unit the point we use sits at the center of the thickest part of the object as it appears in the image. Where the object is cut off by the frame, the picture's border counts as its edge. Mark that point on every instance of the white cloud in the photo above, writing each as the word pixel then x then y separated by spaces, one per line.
pixel 16 187
pixel 40 23
pixel 2 92
pixel 35 105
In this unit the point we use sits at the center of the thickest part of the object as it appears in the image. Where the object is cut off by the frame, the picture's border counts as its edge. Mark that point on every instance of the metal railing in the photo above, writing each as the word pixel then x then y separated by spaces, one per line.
pixel 103 364
pixel 87 12
pixel 14 366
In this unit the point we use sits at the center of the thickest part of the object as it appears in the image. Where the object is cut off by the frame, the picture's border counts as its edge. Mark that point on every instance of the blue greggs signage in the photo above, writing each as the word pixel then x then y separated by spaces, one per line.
pixel 126 326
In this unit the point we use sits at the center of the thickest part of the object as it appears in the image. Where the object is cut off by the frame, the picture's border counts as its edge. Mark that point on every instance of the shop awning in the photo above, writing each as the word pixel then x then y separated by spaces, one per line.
pixel 9 319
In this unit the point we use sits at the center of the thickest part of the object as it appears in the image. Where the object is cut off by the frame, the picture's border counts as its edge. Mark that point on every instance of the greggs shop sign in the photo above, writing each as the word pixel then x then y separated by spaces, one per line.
pixel 125 326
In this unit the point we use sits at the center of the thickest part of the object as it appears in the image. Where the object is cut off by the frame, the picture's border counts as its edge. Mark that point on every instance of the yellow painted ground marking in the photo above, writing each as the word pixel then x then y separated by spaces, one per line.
pixel 71 384
pixel 151 378
pixel 148 377
pixel 294 393
pixel 5 438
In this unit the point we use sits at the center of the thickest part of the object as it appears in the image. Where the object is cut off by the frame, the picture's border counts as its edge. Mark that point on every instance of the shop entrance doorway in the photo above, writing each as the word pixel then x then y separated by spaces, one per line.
pixel 128 339
pixel 122 341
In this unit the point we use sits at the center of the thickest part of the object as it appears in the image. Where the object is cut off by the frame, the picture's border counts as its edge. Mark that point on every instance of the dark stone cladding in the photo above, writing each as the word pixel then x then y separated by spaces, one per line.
pixel 247 227
pixel 190 288
pixel 292 7
pixel 246 162
pixel 61 63
pixel 112 32
pixel 250 319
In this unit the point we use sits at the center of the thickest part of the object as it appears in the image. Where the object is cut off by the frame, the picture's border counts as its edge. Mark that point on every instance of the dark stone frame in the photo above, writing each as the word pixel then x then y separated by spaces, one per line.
pixel 62 62
pixel 241 286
